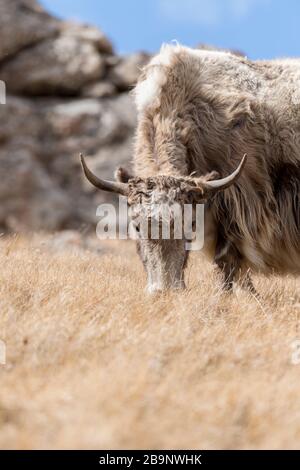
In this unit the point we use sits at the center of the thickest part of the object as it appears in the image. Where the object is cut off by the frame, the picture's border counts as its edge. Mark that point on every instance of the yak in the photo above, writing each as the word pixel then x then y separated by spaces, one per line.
pixel 199 111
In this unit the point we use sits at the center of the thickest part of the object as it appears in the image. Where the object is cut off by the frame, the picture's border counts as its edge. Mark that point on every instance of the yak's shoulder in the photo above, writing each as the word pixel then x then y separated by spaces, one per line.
pixel 178 68
pixel 178 64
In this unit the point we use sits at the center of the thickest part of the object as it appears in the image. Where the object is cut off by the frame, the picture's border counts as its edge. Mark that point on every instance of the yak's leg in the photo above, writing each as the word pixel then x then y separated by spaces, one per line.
pixel 228 258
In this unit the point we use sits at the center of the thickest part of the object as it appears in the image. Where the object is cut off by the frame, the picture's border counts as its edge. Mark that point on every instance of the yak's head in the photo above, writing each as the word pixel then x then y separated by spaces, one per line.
pixel 158 217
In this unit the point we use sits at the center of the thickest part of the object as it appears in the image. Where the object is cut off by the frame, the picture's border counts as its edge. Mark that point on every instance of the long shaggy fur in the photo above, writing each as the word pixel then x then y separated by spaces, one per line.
pixel 200 111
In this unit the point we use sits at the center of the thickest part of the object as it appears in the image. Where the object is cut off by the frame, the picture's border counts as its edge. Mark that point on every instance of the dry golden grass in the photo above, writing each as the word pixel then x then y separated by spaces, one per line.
pixel 94 363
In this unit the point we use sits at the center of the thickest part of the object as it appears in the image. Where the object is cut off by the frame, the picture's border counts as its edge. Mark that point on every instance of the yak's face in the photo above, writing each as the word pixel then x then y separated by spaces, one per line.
pixel 159 222
pixel 162 212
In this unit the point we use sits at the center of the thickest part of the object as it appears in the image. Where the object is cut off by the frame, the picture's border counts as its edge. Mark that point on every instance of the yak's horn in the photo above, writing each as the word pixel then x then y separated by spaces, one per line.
pixel 111 186
pixel 224 183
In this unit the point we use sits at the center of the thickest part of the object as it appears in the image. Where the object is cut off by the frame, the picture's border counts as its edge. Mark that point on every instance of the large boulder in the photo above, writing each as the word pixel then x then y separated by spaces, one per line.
pixel 62 65
pixel 85 125
pixel 43 186
pixel 23 23
pixel 88 33
pixel 19 121
pixel 102 89
pixel 30 199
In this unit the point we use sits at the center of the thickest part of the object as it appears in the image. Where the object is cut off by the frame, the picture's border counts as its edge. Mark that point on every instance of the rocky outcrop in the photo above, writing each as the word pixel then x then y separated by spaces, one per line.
pixel 22 24
pixel 67 92
pixel 57 66
pixel 42 186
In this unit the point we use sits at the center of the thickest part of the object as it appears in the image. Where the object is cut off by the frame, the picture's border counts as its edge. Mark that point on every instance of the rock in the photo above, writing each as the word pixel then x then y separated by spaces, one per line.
pixel 118 120
pixel 88 33
pixel 101 89
pixel 16 172
pixel 87 124
pixel 43 187
pixel 55 66
pixel 108 158
pixel 23 23
pixel 124 74
pixel 29 198
pixel 19 121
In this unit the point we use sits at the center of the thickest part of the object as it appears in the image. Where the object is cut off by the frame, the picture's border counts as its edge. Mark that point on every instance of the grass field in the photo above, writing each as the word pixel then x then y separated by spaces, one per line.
pixel 92 362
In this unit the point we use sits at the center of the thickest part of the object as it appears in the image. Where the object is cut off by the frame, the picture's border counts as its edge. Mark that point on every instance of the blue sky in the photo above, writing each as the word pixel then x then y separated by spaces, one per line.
pixel 261 28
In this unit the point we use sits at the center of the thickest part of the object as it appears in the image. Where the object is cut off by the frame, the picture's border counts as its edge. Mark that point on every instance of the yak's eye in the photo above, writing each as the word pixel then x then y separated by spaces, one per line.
pixel 136 227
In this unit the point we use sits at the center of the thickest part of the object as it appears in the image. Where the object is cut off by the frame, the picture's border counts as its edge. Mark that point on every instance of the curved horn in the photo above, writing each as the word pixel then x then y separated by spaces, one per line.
pixel 229 180
pixel 111 186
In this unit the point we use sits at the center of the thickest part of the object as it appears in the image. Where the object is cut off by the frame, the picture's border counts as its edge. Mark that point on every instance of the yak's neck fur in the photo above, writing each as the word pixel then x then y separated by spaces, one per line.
pixel 200 111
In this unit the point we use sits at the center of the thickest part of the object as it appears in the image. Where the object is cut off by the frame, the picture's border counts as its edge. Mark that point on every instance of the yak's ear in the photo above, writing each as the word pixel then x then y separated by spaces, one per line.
pixel 212 176
pixel 194 195
pixel 122 175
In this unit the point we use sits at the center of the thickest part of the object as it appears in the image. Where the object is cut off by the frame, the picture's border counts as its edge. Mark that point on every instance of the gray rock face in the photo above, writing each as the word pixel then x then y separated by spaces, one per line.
pixel 23 23
pixel 102 89
pixel 62 65
pixel 67 93
pixel 89 34
pixel 29 198
pixel 42 185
